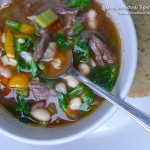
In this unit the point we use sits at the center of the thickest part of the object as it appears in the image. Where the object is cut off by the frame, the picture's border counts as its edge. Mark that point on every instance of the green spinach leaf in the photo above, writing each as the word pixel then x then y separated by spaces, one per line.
pixel 50 82
pixel 78 27
pixel 82 50
pixel 21 64
pixel 31 66
pixel 22 105
pixel 62 42
pixel 105 77
pixel 23 46
pixel 88 96
pixel 79 3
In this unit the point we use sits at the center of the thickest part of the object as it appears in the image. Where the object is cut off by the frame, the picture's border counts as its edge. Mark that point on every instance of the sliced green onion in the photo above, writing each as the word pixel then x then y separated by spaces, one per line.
pixel 78 90
pixel 46 18
pixel 34 68
pixel 63 103
pixel 14 25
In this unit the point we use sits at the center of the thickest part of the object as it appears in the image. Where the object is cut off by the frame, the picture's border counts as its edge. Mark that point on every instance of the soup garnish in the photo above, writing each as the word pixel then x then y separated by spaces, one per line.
pixel 35 43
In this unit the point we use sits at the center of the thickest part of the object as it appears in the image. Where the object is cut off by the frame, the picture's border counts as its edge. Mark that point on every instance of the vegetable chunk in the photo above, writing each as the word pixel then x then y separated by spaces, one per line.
pixel 9 45
pixel 46 18
pixel 79 3
pixel 19 81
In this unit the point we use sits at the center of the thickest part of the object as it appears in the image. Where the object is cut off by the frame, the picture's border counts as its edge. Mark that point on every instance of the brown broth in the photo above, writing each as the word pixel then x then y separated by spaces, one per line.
pixel 18 12
pixel 50 71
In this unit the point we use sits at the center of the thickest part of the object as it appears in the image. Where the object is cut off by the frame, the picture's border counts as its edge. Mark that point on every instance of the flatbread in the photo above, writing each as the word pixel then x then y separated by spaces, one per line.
pixel 141 84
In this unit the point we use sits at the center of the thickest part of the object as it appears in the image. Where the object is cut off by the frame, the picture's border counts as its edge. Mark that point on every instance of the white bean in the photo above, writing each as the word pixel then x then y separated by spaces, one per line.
pixel 12 62
pixel 3 38
pixel 21 41
pixel 92 22
pixel 2 87
pixel 31 17
pixel 50 52
pixel 8 61
pixel 56 63
pixel 41 114
pixel 75 103
pixel 41 66
pixel 71 81
pixel 53 46
pixel 92 63
pixel 92 14
pixel 5 60
pixel 26 56
pixel 4 71
pixel 61 87
pixel 1 53
pixel 84 69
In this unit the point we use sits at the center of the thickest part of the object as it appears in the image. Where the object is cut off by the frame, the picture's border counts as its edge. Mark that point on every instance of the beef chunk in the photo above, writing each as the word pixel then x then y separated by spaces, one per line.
pixel 68 18
pixel 42 91
pixel 40 104
pixel 70 22
pixel 63 11
pixel 41 47
pixel 104 55
pixel 44 5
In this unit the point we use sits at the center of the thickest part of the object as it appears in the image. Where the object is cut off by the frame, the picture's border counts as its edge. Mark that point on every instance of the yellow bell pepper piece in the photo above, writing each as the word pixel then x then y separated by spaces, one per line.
pixel 26 29
pixel 9 45
pixel 19 81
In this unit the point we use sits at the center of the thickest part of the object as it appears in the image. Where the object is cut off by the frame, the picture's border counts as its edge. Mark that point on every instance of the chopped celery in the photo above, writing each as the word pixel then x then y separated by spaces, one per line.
pixel 46 18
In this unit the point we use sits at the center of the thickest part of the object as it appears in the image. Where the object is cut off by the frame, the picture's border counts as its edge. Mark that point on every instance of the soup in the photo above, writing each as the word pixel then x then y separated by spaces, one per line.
pixel 36 39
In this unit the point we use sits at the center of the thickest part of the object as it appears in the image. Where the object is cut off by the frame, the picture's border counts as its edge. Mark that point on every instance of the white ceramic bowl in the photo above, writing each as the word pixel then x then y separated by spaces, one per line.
pixel 50 136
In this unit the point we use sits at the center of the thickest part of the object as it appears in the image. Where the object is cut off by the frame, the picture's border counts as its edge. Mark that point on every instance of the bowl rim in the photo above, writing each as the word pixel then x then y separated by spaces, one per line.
pixel 94 127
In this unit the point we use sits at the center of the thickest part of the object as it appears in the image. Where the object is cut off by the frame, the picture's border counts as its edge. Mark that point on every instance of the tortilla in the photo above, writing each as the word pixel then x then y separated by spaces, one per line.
pixel 141 84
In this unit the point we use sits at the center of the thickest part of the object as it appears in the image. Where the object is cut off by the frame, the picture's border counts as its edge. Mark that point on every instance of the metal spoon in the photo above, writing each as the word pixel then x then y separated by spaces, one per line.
pixel 137 115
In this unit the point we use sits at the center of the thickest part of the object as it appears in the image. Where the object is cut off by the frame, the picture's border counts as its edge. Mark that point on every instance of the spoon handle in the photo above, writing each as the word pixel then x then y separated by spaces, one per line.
pixel 140 117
